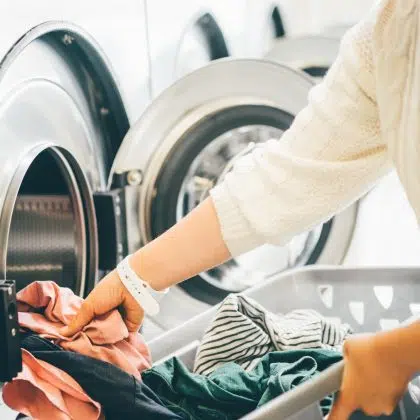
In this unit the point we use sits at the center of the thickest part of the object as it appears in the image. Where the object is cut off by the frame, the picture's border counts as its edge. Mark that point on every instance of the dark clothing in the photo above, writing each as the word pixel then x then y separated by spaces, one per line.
pixel 230 392
pixel 121 395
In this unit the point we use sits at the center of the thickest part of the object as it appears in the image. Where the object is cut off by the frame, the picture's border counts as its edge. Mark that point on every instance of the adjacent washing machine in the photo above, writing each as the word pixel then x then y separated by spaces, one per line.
pixel 265 23
pixel 184 36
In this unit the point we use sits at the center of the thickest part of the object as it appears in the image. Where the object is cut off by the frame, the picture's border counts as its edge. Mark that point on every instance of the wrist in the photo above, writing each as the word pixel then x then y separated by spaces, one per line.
pixel 142 292
pixel 146 270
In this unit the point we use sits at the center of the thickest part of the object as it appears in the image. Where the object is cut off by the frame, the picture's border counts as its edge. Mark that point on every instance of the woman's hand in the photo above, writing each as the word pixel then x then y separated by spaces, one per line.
pixel 376 375
pixel 110 293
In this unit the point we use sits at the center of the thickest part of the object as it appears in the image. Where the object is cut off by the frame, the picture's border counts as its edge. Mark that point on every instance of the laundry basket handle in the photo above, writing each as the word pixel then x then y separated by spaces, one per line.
pixel 301 397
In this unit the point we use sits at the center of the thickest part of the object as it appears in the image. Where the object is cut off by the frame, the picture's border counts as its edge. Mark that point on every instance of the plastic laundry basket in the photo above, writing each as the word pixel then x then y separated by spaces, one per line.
pixel 369 299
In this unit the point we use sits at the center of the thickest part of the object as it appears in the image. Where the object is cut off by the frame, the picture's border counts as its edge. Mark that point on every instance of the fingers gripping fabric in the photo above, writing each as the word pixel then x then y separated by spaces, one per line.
pixel 243 332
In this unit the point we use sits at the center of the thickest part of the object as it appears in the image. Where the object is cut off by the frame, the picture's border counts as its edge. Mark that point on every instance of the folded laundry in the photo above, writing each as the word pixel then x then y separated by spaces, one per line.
pixel 44 308
pixel 121 395
pixel 243 331
pixel 231 392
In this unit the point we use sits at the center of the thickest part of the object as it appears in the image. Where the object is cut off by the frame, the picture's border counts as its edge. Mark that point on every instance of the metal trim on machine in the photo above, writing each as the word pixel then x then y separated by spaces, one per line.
pixel 109 104
pixel 85 232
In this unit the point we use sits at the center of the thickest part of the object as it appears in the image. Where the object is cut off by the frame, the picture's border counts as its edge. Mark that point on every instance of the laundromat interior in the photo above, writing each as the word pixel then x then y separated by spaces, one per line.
pixel 117 119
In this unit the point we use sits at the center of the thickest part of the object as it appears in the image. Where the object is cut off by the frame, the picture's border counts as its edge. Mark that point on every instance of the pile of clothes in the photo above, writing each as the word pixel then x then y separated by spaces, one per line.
pixel 247 357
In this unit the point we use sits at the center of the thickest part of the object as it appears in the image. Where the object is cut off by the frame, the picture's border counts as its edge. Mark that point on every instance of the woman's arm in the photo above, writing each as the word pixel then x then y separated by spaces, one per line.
pixel 193 245
pixel 330 156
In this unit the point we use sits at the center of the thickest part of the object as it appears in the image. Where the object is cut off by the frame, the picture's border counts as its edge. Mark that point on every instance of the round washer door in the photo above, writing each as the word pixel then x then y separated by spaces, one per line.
pixel 191 135
pixel 56 117
pixel 202 42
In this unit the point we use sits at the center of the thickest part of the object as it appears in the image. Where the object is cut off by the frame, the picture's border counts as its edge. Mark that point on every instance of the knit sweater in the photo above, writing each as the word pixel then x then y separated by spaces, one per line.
pixel 360 121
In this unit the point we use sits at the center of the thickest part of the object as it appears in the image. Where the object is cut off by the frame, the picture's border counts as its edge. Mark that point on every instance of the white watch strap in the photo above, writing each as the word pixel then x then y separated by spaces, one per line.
pixel 147 297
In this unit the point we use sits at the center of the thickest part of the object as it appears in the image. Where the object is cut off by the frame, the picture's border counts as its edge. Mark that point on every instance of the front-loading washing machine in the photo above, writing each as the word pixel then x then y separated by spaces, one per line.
pixel 184 36
pixel 266 22
pixel 63 116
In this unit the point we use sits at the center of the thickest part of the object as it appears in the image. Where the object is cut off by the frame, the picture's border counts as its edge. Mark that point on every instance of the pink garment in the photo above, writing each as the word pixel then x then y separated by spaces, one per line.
pixel 45 392
pixel 105 338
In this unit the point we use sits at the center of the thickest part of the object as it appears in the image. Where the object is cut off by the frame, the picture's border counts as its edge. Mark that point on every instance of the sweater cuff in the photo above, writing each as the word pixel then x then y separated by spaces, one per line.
pixel 236 230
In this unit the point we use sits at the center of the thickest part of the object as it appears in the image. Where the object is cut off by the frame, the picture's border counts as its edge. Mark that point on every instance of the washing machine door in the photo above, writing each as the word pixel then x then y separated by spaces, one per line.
pixel 313 54
pixel 56 117
pixel 185 142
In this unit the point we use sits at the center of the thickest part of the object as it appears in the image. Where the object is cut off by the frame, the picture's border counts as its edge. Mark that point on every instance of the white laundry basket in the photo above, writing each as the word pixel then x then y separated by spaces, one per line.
pixel 370 299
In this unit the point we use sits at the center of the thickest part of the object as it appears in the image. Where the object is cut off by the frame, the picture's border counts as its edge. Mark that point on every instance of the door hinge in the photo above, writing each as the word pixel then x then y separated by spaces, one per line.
pixel 112 227
pixel 131 178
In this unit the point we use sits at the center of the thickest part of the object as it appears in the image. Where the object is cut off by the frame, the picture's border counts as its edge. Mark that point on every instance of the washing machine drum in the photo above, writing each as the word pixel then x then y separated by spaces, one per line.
pixel 190 137
pixel 50 232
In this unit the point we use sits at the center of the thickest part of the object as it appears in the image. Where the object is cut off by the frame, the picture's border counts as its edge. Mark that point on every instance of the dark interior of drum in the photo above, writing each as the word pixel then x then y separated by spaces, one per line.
pixel 46 232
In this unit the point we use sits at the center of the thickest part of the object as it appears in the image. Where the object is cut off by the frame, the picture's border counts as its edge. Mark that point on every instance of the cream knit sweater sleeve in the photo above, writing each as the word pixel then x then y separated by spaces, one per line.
pixel 331 155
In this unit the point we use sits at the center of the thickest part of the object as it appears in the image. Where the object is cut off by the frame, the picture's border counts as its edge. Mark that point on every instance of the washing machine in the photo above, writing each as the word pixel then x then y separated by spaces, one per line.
pixel 69 90
pixel 184 36
pixel 298 16
pixel 64 110
pixel 265 23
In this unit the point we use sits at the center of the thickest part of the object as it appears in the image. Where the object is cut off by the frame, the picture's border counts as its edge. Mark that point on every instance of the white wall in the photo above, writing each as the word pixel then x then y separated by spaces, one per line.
pixel 386 231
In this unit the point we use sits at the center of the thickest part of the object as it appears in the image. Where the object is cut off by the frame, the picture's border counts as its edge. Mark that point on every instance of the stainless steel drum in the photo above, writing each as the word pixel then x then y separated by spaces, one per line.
pixel 48 237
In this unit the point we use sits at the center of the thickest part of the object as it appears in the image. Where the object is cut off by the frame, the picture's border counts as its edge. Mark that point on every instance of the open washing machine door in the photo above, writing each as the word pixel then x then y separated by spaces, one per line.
pixel 56 118
pixel 189 137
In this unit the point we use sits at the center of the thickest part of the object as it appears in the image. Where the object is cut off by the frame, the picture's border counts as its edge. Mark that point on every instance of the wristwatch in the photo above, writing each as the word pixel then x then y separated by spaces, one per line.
pixel 146 297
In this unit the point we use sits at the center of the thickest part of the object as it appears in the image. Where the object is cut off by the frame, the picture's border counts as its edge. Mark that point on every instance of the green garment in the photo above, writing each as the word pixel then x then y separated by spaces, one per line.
pixel 230 392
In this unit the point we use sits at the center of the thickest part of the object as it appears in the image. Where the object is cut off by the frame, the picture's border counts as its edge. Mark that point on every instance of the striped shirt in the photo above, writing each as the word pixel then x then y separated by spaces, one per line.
pixel 243 331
